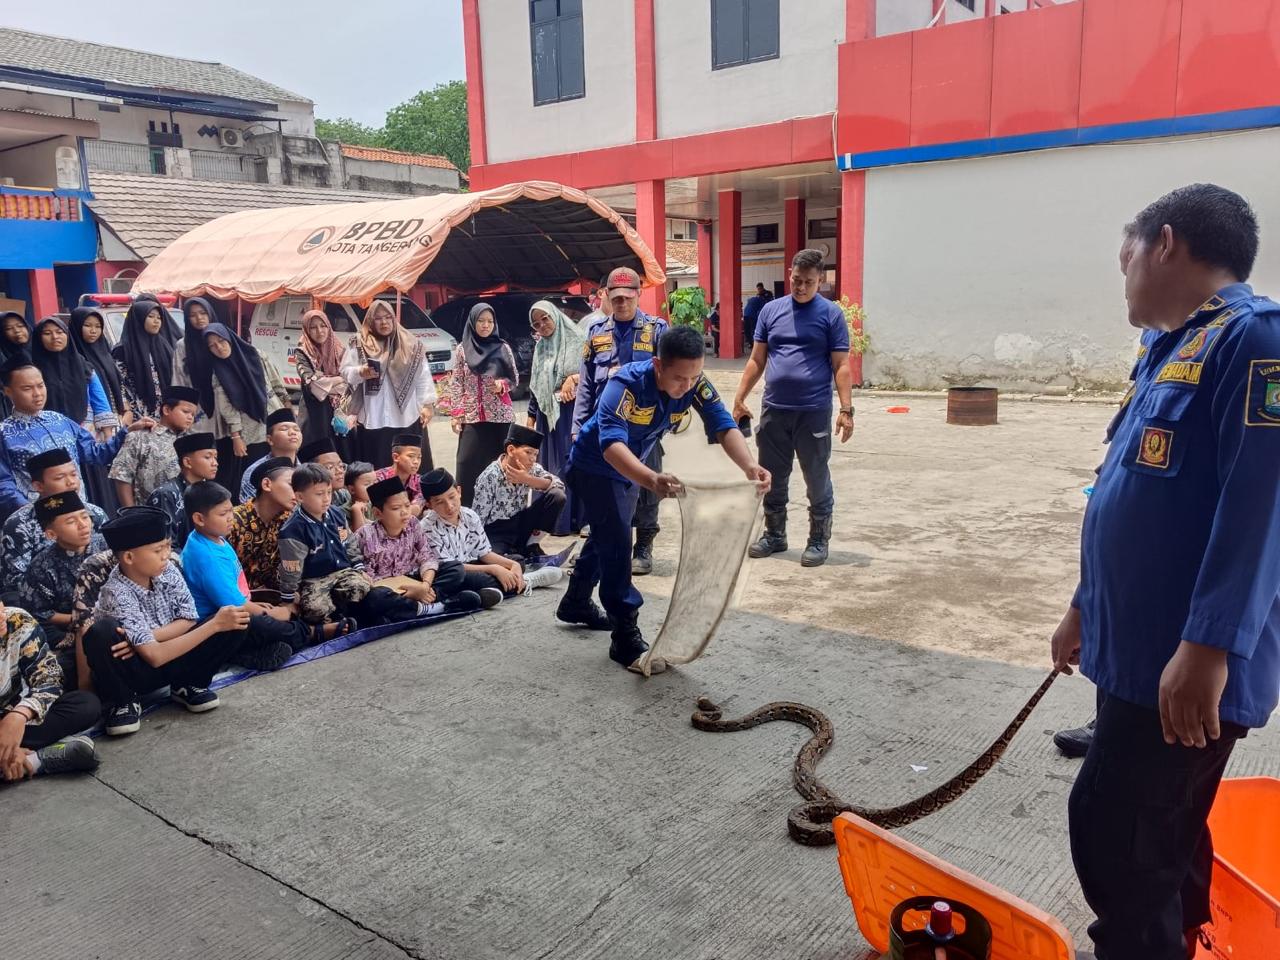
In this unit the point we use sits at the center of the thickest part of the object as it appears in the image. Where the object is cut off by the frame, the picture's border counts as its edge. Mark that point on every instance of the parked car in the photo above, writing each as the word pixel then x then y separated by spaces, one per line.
pixel 512 314
pixel 275 327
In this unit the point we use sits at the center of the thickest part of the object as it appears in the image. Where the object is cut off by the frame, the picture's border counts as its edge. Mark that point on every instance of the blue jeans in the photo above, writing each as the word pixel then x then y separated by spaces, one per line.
pixel 784 436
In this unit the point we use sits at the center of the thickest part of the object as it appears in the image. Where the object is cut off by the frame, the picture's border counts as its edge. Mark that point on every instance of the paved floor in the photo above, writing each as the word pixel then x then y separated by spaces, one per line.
pixel 495 788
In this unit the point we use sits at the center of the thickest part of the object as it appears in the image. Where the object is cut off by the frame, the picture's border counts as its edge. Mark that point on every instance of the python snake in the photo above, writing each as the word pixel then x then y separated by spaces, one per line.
pixel 810 822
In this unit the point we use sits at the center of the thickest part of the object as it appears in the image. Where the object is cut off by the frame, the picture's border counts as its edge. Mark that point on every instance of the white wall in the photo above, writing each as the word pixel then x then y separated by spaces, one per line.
pixel 801 82
pixel 515 129
pixel 1003 271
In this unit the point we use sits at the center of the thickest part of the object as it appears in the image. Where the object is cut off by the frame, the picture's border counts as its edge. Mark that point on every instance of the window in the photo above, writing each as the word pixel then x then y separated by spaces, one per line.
pixel 822 229
pixel 759 233
pixel 555 36
pixel 157 161
pixel 967 4
pixel 743 31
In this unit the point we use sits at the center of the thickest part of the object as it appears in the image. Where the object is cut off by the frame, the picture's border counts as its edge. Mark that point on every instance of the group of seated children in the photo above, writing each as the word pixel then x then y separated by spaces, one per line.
pixel 106 613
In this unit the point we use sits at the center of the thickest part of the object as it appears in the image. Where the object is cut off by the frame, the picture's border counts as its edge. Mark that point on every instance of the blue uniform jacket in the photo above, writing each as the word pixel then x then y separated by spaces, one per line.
pixel 609 347
pixel 1181 536
pixel 311 548
pixel 634 411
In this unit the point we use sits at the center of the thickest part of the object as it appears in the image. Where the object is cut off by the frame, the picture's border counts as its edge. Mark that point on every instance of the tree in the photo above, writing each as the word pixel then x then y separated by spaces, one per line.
pixel 346 130
pixel 433 121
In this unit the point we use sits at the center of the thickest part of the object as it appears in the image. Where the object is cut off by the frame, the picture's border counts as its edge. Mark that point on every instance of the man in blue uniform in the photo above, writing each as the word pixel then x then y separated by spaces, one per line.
pixel 640 403
pixel 1177 615
pixel 613 342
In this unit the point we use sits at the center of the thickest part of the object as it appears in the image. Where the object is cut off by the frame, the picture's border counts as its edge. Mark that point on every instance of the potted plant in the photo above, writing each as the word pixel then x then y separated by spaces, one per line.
pixel 854 318
pixel 687 307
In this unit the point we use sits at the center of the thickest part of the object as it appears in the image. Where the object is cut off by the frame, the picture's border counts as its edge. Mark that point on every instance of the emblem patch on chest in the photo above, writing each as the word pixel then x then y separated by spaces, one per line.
pixel 1262 398
pixel 1155 447
pixel 627 410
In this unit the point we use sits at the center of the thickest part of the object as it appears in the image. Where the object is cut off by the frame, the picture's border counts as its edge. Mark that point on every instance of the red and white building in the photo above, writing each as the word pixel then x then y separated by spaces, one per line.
pixel 966 164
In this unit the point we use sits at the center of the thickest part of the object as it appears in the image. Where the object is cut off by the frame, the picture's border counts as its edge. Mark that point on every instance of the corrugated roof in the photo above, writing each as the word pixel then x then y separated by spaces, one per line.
pixel 684 251
pixel 135 68
pixel 396 156
pixel 149 213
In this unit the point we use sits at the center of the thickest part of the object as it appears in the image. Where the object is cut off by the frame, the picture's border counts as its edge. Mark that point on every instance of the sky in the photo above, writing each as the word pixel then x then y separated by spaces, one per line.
pixel 354 58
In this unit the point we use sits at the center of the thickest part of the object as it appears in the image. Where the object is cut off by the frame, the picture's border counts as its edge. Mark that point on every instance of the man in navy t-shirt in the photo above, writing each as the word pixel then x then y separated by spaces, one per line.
pixel 801 347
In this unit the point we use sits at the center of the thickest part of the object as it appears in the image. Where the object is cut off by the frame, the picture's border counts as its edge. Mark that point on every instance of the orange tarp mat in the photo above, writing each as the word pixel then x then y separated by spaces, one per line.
pixel 1244 897
pixel 881 870
pixel 536 234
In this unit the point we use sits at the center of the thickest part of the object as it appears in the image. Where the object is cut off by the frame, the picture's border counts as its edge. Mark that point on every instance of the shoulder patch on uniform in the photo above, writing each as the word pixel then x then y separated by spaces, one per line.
pixel 586 351
pixel 1142 350
pixel 1262 395
pixel 1154 449
pixel 704 391
pixel 627 410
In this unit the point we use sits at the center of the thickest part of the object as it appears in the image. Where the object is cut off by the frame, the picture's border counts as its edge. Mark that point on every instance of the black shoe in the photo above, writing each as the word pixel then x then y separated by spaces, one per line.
pixel 490 597
pixel 642 553
pixel 774 538
pixel 195 699
pixel 815 554
pixel 463 602
pixel 123 718
pixel 583 613
pixel 270 656
pixel 72 755
pixel 1075 742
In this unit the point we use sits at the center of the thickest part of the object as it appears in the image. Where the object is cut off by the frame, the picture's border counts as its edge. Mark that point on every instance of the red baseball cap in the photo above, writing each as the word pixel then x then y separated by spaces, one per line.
pixel 623 278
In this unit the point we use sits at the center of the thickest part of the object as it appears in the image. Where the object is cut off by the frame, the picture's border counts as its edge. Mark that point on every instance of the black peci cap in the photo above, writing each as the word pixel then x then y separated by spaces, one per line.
pixel 316 448
pixel 436 482
pixel 524 437
pixel 135 527
pixel 384 490
pixel 191 442
pixel 55 505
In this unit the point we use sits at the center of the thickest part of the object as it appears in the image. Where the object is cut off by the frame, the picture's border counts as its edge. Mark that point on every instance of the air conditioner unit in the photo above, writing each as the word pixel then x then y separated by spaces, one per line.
pixel 230 137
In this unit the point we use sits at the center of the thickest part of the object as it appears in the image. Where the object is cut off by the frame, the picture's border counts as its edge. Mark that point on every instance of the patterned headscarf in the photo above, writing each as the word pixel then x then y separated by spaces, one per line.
pixel 325 357
pixel 555 357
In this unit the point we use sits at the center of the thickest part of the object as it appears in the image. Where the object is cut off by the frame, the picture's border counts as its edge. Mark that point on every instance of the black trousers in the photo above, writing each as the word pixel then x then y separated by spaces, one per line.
pixel 122 681
pixel 374 446
pixel 379 606
pixel 265 630
pixel 479 445
pixel 1139 834
pixel 453 577
pixel 782 437
pixel 645 516
pixel 74 711
pixel 510 537
pixel 608 506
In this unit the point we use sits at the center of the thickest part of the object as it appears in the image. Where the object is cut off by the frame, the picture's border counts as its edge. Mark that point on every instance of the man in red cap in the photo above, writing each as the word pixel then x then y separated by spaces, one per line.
pixel 612 342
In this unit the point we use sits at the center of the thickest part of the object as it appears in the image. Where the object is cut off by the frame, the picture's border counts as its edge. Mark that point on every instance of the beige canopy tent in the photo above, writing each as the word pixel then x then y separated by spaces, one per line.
pixel 537 235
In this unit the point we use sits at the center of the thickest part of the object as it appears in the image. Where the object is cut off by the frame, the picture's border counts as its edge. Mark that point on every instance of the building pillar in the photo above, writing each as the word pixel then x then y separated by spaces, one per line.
pixel 993 7
pixel 729 276
pixel 839 259
pixel 651 224
pixel 706 279
pixel 852 246
pixel 794 231
pixel 44 293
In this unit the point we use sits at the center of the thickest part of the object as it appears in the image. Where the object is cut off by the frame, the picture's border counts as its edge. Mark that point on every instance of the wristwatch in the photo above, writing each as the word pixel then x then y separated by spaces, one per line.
pixel 848 410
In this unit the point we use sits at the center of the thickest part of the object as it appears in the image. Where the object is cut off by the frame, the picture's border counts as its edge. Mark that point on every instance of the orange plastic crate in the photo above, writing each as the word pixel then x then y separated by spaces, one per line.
pixel 881 870
pixel 1245 894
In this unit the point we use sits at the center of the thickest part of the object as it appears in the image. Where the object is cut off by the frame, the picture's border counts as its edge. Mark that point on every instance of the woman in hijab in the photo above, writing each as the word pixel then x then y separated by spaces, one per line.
pixel 243 395
pixel 190 356
pixel 553 386
pixel 319 368
pixel 391 385
pixel 145 356
pixel 484 373
pixel 87 329
pixel 15 336
pixel 73 389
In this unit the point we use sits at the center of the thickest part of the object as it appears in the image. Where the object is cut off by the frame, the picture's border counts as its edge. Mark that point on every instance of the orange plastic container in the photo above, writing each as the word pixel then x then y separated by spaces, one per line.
pixel 1245 894
pixel 881 870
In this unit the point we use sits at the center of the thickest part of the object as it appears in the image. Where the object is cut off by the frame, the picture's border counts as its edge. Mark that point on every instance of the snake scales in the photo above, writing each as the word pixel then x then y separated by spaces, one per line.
pixel 810 822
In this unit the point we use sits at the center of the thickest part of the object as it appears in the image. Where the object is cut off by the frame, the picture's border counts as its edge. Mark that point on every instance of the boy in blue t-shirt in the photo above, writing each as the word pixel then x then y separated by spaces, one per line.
pixel 216 579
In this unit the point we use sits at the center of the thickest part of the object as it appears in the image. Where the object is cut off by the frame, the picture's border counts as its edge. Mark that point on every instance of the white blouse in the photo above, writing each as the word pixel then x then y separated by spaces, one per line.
pixel 380 410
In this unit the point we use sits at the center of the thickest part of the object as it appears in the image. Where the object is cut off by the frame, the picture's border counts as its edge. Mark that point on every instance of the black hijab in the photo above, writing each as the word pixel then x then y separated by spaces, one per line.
pixel 198 359
pixel 98 355
pixel 484 355
pixel 138 349
pixel 66 373
pixel 241 374
pixel 7 347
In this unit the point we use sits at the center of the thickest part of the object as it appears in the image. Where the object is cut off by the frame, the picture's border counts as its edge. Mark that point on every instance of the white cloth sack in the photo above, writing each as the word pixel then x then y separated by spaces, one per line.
pixel 716 521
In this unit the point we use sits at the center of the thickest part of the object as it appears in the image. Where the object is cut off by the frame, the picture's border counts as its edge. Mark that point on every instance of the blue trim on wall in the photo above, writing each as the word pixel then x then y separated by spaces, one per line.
pixel 39 244
pixel 1109 133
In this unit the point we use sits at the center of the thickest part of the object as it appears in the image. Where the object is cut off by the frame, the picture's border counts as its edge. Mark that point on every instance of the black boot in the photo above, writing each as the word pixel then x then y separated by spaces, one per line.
pixel 1075 742
pixel 815 554
pixel 774 538
pixel 628 646
pixel 642 552
pixel 577 607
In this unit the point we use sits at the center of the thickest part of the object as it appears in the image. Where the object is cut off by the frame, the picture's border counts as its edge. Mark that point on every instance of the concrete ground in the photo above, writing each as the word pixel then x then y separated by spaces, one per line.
pixel 496 788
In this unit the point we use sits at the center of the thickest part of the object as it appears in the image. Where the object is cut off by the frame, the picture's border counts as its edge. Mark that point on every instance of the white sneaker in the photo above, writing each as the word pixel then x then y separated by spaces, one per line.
pixel 430 609
pixel 542 577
